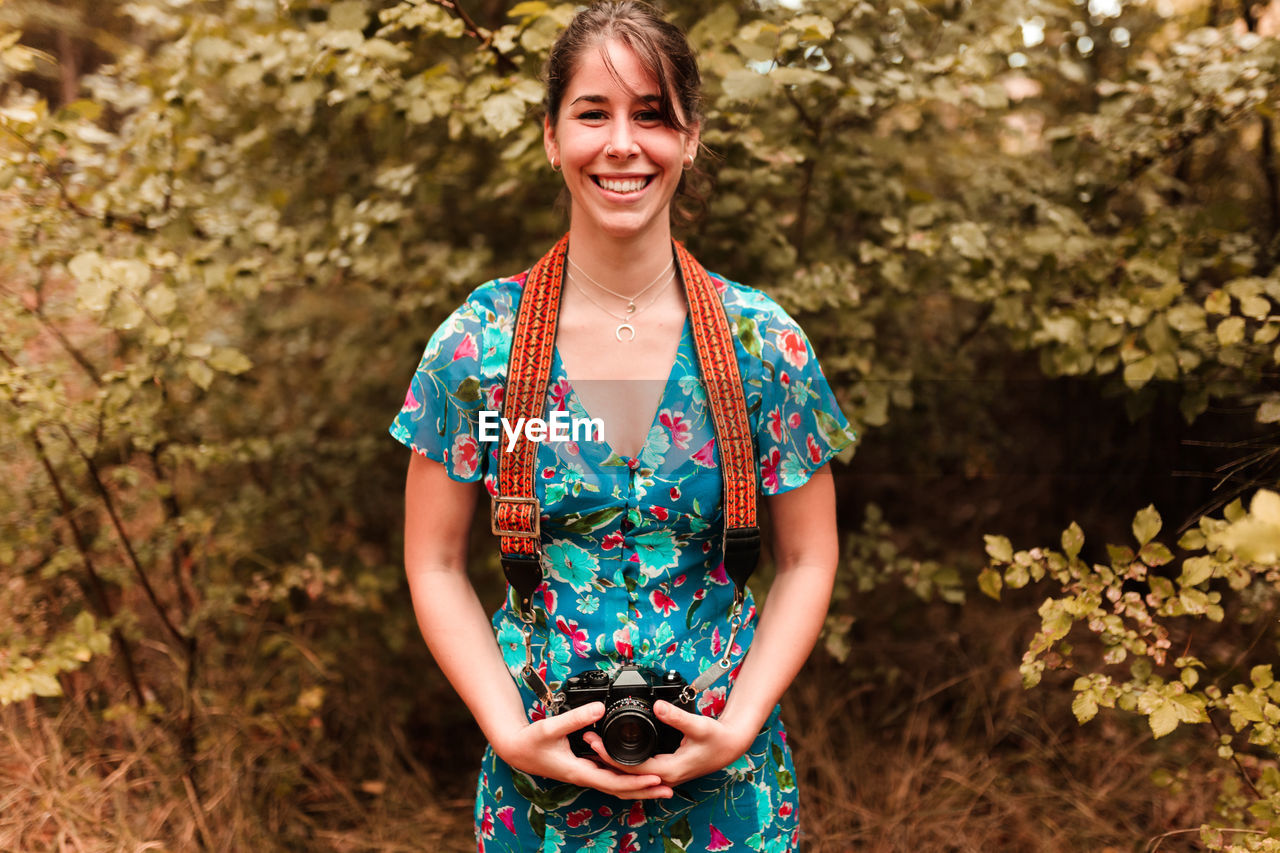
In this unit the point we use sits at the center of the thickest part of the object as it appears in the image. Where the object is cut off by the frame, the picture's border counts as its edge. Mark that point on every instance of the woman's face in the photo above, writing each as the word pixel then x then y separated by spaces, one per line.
pixel 621 164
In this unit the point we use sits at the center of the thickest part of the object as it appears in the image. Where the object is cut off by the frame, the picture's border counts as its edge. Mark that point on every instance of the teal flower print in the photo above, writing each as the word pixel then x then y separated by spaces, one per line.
pixel 657 552
pixel 571 564
pixel 588 604
pixel 793 471
pixel 511 640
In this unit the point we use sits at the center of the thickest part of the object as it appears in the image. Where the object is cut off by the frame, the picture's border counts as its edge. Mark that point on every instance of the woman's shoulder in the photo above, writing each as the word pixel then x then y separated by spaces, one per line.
pixel 495 300
pixel 752 306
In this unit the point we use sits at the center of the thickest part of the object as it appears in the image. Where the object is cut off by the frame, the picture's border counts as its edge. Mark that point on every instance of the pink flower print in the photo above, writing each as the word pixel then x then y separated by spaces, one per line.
pixel 703 457
pixel 675 493
pixel 635 817
pixel 769 469
pixel 548 472
pixel 659 512
pixel 815 452
pixel 718 841
pixel 681 432
pixel 578 818
pixel 719 576
pixel 549 598
pixel 605 811
pixel 506 815
pixel 410 402
pixel 711 703
pixel 466 348
pixel 700 594
pixel 493 397
pixel 793 348
pixel 717 644
pixel 465 455
pixel 622 642
pixel 662 603
pixel 630 843
pixel 572 447
pixel 784 379
pixel 785 810
pixel 680 579
pixel 775 424
pixel 577 636
pixel 612 540
pixel 794 420
pixel 486 823
pixel 557 395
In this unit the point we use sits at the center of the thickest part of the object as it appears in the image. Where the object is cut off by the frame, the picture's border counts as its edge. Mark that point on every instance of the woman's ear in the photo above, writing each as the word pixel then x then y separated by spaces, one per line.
pixel 693 141
pixel 549 143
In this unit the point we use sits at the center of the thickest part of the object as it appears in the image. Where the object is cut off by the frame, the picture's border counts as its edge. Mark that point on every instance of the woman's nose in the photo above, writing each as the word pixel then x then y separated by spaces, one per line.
pixel 622 143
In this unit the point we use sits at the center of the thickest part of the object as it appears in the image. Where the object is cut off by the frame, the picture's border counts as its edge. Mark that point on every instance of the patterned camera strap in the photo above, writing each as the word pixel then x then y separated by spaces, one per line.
pixel 516 514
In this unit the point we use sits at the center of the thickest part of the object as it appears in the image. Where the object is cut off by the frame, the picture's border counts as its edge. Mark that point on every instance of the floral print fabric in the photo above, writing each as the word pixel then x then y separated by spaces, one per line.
pixel 632 562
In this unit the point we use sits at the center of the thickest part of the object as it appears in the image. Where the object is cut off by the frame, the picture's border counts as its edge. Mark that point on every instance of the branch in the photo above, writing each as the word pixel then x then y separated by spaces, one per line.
pixel 138 569
pixel 505 63
pixel 51 173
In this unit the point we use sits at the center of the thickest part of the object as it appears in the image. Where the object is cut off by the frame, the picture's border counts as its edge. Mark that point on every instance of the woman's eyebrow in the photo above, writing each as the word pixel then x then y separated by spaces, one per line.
pixel 601 99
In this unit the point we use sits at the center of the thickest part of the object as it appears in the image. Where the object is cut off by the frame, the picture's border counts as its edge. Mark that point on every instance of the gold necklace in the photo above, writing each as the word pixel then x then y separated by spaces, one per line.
pixel 632 310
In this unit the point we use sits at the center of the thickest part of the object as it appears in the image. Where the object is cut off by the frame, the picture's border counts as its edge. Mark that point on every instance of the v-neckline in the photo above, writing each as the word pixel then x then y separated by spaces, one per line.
pixel 558 368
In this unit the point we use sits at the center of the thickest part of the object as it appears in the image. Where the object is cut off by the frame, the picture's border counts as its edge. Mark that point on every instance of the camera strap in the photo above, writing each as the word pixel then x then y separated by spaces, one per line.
pixel 515 511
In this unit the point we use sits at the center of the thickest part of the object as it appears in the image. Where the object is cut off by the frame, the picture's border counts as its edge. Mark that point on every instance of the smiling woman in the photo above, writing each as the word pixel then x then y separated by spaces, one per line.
pixel 636 605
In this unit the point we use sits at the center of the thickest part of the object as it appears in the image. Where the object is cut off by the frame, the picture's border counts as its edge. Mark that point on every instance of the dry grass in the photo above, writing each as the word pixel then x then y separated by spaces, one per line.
pixel 928 745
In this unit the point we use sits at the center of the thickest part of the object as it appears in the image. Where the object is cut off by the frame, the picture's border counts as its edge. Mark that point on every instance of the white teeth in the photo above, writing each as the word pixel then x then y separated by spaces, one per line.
pixel 629 185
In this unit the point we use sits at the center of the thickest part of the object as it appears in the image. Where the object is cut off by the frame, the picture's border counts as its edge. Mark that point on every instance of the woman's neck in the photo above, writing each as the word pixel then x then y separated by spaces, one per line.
pixel 624 266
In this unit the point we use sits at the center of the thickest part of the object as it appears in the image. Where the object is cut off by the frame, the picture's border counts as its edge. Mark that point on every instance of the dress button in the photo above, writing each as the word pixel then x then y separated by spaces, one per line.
pixel 633 463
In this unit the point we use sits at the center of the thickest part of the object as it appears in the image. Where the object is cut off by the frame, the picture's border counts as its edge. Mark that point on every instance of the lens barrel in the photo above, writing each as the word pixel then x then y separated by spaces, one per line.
pixel 628 731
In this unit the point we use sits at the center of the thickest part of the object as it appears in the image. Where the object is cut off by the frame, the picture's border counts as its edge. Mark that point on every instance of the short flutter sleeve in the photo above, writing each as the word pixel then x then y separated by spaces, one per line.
pixel 461 375
pixel 799 424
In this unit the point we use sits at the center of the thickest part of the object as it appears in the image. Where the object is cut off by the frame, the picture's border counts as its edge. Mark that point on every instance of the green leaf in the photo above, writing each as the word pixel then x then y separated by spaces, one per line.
pixel 468 390
pixel 229 360
pixel 1072 541
pixel 1155 554
pixel 681 833
pixel 1164 719
pixel 1230 331
pixel 528 9
pixel 1261 676
pixel 749 333
pixel 1146 524
pixel 1085 706
pixel 990 582
pixel 999 548
pixel 743 84
pixel 1195 571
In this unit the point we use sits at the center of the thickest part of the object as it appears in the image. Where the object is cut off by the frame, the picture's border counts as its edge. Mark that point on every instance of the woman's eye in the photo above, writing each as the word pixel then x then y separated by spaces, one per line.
pixel 649 116
pixel 592 115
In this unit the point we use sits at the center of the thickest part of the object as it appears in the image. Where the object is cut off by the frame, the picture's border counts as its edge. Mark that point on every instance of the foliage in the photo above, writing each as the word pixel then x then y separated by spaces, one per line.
pixel 220 259
pixel 1145 606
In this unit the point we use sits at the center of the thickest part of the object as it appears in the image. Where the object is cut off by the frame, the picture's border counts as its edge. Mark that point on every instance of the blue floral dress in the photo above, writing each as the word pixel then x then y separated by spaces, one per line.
pixel 631 556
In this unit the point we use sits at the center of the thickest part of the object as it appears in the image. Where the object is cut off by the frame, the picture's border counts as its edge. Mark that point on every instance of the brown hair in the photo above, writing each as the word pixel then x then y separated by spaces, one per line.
pixel 663 51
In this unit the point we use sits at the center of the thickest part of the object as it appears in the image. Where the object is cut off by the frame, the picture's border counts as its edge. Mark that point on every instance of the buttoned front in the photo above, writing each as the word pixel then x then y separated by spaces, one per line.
pixel 631 554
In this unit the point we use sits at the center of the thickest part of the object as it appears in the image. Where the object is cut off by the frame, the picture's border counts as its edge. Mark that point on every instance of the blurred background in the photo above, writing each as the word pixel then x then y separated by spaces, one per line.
pixel 1034 243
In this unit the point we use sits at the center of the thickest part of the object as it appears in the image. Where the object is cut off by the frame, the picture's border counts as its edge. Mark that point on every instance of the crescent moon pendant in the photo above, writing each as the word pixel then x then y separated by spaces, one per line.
pixel 617 333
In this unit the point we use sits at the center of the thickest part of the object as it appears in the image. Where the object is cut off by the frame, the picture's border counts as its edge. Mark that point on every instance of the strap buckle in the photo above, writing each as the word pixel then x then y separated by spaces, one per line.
pixel 537 517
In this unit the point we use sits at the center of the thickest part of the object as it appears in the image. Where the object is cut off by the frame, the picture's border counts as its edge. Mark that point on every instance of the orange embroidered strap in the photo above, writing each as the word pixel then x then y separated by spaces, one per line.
pixel 515 510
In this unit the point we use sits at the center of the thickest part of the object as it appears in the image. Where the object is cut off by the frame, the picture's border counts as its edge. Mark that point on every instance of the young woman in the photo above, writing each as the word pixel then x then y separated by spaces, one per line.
pixel 631 523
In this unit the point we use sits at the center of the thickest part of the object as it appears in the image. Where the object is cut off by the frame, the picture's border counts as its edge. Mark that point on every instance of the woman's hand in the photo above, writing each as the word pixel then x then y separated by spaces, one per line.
pixel 542 748
pixel 709 745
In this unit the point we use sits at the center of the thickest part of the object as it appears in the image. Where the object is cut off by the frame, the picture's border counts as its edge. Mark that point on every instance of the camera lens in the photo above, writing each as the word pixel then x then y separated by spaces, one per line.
pixel 628 731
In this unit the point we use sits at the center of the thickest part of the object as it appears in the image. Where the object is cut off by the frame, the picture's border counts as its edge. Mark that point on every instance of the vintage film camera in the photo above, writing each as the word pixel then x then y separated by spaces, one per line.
pixel 630 730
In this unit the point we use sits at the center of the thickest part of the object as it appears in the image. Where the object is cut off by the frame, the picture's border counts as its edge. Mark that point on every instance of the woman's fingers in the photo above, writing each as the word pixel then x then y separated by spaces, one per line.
pixel 678 718
pixel 563 725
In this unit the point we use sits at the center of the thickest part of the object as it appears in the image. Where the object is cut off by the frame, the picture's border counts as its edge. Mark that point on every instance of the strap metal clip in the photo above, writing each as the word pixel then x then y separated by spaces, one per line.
pixel 537 516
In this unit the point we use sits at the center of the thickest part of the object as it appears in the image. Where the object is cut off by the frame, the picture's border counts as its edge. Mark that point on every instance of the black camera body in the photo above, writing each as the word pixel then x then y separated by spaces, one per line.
pixel 630 730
